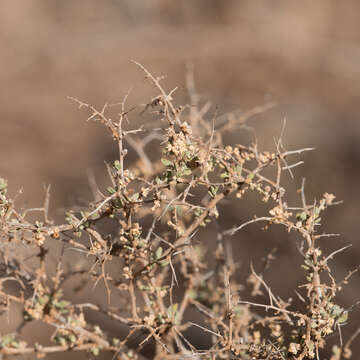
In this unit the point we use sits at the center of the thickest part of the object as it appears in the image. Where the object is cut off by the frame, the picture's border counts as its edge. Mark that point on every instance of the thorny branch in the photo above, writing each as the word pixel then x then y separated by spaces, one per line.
pixel 158 209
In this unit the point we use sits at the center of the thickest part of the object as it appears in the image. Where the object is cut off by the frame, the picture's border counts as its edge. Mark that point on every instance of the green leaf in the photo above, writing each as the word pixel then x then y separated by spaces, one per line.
pixel 111 190
pixel 3 185
pixel 166 162
pixel 97 330
pixel 159 252
pixel 172 310
pixel 343 317
pixel 72 338
pixel 314 324
pixel 117 165
pixel 336 350
pixel 7 339
pixel 302 216
pixel 198 211
pixel 310 345
pixel 42 300
pixel 62 304
pixel 308 262
pixel 95 351
pixel 336 310
pixel 193 294
pixel 38 224
pixel 61 340
pixel 213 190
pixel 239 309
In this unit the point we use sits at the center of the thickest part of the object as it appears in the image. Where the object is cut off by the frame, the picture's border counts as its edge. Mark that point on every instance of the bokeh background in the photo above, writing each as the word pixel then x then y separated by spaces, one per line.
pixel 304 55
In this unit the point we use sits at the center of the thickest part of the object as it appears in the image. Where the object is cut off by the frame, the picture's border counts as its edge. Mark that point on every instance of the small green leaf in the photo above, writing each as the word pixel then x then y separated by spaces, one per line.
pixel 95 351
pixel 7 339
pixel 97 330
pixel 302 216
pixel 72 338
pixel 62 304
pixel 193 294
pixel 38 224
pixel 111 190
pixel 336 311
pixel 239 309
pixel 42 300
pixel 117 165
pixel 159 252
pixel 3 186
pixel 336 350
pixel 314 324
pixel 309 263
pixel 198 211
pixel 172 310
pixel 166 162
pixel 213 190
pixel 164 262
pixel 343 317
pixel 310 345
pixel 61 340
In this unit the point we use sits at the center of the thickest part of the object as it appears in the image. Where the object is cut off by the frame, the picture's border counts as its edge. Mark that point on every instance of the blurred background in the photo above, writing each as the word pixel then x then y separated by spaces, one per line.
pixel 304 55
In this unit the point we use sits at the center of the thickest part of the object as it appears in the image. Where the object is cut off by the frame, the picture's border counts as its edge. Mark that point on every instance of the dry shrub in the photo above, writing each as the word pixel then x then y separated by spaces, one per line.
pixel 158 209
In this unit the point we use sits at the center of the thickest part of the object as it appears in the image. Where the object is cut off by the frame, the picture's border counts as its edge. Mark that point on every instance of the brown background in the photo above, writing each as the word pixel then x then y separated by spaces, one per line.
pixel 305 55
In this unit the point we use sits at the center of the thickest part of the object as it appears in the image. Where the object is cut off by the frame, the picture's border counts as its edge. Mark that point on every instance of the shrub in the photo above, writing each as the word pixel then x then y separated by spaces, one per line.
pixel 154 258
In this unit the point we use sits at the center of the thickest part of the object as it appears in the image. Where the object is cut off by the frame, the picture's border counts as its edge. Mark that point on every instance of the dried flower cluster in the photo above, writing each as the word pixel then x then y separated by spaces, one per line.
pixel 158 209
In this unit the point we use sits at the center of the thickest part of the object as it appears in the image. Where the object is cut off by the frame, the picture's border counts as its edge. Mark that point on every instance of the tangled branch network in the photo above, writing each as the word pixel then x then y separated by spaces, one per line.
pixel 159 277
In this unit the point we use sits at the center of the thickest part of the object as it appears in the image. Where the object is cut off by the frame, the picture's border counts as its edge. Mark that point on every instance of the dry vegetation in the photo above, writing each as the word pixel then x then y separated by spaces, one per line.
pixel 161 271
